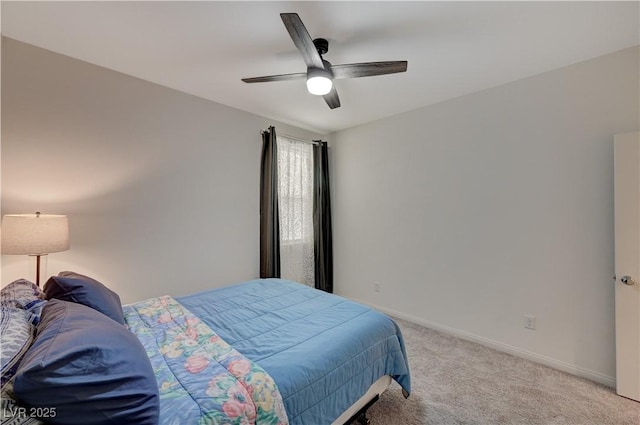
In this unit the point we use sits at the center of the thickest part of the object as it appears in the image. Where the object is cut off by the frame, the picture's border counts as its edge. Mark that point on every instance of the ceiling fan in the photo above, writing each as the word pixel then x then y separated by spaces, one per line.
pixel 320 73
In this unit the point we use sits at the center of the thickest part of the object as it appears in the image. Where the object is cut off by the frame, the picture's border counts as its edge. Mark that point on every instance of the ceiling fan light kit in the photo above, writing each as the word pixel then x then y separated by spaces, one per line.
pixel 320 73
pixel 319 81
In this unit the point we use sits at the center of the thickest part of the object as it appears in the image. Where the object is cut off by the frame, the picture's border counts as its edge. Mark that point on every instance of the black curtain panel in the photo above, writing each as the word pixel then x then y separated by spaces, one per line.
pixel 323 241
pixel 269 213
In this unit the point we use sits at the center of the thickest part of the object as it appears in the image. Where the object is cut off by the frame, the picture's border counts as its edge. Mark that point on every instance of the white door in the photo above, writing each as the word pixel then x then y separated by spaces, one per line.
pixel 627 263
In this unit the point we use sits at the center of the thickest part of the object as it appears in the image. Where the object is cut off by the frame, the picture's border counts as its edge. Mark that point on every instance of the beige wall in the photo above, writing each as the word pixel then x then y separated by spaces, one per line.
pixel 161 188
pixel 477 211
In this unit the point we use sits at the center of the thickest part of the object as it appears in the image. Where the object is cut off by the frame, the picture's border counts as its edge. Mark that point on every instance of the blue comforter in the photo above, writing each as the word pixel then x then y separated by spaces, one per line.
pixel 322 350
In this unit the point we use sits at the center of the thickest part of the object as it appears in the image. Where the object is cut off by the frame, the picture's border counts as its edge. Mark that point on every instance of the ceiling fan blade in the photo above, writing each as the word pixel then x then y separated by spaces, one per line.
pixel 332 98
pixel 302 40
pixel 281 77
pixel 368 69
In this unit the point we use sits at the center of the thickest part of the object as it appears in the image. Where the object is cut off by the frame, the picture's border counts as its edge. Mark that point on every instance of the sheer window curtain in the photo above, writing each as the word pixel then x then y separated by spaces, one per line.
pixel 295 201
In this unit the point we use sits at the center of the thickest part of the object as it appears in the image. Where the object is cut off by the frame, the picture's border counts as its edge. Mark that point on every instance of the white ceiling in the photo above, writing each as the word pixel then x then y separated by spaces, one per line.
pixel 204 48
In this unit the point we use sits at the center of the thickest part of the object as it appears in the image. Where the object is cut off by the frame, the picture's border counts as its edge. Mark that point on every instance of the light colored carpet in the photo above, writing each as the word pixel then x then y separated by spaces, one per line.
pixel 460 382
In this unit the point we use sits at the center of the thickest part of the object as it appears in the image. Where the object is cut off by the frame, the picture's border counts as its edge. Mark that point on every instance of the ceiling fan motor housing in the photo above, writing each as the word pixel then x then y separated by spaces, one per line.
pixel 322 45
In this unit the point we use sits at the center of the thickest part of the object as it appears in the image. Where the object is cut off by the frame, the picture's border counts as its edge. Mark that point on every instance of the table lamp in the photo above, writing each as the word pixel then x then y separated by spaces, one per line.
pixel 34 235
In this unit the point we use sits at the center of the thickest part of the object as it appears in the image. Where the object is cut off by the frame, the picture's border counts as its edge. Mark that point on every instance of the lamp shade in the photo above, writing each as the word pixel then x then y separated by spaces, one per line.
pixel 34 234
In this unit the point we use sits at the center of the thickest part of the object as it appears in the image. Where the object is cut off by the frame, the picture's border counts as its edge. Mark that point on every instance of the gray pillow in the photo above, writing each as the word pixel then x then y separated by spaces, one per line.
pixel 17 335
pixel 23 295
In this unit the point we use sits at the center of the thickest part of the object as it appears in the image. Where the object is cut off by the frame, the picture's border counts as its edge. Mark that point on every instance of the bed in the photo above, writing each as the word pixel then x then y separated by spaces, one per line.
pixel 267 351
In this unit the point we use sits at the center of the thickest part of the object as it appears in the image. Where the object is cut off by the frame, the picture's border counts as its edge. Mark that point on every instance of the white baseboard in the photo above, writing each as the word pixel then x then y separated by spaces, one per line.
pixel 506 348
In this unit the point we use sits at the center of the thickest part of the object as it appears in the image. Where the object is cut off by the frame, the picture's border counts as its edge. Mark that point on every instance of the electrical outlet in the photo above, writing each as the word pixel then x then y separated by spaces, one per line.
pixel 377 286
pixel 530 322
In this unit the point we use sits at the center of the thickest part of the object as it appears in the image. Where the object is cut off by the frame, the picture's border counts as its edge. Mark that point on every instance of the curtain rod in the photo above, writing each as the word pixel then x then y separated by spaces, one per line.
pixel 298 139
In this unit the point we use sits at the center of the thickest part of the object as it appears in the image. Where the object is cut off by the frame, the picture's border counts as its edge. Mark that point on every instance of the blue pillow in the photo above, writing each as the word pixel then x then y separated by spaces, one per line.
pixel 90 369
pixel 77 288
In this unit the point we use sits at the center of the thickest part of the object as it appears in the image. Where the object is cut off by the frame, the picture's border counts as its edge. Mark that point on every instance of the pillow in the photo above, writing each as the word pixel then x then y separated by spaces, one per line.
pixel 12 412
pixel 20 291
pixel 90 369
pixel 16 333
pixel 24 295
pixel 77 288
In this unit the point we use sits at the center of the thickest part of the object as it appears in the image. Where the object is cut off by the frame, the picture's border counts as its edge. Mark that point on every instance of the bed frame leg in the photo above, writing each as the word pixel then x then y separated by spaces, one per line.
pixel 362 419
pixel 361 416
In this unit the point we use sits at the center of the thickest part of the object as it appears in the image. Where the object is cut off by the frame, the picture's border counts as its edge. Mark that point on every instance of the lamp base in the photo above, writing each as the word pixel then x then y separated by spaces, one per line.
pixel 38 266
